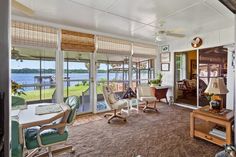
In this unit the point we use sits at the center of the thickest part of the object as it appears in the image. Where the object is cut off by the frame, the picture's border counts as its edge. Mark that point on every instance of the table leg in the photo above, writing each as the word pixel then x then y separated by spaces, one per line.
pixel 192 124
pixel 228 133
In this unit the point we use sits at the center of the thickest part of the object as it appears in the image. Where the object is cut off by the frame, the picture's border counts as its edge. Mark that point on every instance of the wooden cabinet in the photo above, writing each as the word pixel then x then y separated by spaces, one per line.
pixel 160 93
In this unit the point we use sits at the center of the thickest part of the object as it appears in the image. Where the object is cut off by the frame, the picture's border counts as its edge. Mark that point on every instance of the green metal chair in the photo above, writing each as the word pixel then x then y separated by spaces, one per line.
pixel 18 102
pixel 16 138
pixel 55 133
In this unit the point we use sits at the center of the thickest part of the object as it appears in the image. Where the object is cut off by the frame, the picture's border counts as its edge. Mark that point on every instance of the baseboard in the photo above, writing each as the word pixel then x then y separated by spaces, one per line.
pixel 187 106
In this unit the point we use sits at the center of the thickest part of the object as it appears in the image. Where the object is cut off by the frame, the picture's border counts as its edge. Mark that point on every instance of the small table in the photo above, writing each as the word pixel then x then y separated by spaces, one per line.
pixel 133 104
pixel 212 119
pixel 28 118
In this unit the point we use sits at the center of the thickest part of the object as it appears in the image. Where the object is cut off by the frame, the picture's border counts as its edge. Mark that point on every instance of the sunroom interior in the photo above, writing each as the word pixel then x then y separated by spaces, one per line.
pixel 117 78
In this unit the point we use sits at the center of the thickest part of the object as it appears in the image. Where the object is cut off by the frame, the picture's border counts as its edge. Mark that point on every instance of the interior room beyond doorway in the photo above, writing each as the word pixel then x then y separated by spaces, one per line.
pixel 186 77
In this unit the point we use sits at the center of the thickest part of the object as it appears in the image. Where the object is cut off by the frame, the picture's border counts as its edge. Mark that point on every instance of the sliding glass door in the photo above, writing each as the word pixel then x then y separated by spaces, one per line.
pixel 77 78
pixel 212 64
pixel 192 77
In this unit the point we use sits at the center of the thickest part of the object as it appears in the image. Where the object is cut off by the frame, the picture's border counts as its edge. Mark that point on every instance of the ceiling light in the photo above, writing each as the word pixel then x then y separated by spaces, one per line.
pixel 160 38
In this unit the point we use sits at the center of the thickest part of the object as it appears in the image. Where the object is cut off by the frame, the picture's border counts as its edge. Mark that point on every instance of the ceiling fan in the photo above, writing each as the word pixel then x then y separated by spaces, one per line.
pixel 163 33
pixel 18 56
pixel 22 8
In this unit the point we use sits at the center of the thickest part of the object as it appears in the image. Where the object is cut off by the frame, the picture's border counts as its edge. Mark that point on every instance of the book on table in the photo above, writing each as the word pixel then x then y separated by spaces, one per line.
pixel 218 132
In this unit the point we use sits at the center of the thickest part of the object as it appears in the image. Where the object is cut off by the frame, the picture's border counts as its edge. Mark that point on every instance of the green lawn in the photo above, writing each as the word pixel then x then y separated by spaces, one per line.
pixel 47 93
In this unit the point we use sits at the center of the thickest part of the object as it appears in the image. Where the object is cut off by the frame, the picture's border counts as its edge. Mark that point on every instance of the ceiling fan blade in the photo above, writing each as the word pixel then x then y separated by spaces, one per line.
pixel 175 34
pixel 24 9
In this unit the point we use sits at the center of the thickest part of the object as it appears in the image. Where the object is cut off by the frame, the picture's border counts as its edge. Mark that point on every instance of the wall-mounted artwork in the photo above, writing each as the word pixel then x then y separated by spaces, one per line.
pixel 165 48
pixel 193 70
pixel 165 66
pixel 165 57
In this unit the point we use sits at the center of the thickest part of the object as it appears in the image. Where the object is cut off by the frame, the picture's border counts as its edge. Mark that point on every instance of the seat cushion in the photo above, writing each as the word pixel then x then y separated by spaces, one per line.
pixel 111 98
pixel 17 146
pixel 120 104
pixel 49 136
pixel 148 99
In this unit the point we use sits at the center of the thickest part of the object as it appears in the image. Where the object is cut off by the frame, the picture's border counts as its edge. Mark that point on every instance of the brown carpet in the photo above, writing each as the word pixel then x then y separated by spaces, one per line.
pixel 86 119
pixel 163 134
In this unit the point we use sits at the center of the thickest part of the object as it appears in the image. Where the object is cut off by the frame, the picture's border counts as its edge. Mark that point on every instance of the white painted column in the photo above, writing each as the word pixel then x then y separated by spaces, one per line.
pixel 130 66
pixel 59 71
pixel 198 96
pixel 234 80
pixel 5 47
pixel 157 62
pixel 93 81
pixel 93 78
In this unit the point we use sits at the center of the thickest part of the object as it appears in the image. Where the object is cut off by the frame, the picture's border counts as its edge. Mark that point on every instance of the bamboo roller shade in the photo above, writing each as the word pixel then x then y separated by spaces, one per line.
pixel 140 49
pixel 113 46
pixel 76 41
pixel 26 34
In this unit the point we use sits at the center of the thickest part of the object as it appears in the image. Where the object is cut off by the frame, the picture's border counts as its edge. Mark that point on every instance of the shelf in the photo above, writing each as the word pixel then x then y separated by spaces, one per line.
pixel 206 136
pixel 202 131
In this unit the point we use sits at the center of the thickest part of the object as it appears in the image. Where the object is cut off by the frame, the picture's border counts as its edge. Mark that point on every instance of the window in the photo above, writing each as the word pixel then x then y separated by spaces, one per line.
pixel 34 69
pixel 143 71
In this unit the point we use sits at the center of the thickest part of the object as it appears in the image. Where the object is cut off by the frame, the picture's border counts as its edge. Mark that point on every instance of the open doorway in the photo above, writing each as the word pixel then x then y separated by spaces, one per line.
pixel 186 78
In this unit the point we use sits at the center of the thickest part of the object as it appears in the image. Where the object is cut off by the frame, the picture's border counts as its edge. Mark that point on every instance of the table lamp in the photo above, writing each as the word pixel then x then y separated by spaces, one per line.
pixel 217 87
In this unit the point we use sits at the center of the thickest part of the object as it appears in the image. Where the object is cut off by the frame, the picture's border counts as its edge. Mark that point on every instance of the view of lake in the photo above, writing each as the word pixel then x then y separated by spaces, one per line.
pixel 28 78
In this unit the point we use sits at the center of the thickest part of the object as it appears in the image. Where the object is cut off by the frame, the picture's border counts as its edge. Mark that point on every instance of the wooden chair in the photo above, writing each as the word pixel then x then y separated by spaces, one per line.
pixel 54 133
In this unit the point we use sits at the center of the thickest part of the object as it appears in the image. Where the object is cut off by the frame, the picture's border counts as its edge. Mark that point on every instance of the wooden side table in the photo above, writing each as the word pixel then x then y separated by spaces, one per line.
pixel 211 120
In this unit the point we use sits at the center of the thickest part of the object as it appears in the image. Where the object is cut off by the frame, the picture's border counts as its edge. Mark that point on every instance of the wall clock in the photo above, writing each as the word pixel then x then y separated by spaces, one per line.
pixel 196 42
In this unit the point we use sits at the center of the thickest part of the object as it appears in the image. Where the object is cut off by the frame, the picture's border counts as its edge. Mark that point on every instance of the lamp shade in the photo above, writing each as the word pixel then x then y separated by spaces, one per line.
pixel 216 86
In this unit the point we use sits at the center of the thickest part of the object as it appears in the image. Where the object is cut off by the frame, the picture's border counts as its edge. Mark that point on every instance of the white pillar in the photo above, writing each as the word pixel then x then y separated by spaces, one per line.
pixel 157 62
pixel 93 77
pixel 5 47
pixel 59 71
pixel 234 79
pixel 130 66
pixel 93 81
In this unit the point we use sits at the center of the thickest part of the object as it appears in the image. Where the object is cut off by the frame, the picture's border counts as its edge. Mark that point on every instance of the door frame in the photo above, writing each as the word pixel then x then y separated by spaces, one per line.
pixel 175 87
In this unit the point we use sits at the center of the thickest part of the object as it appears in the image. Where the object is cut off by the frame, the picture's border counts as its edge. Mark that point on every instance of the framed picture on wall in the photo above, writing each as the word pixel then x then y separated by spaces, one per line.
pixel 165 57
pixel 165 66
pixel 193 70
pixel 165 48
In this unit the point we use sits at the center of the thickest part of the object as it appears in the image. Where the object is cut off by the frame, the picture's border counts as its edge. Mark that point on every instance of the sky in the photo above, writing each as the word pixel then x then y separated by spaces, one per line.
pixel 47 65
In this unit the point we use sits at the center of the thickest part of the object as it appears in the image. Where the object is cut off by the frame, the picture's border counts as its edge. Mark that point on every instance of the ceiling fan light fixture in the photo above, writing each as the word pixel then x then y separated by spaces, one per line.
pixel 160 38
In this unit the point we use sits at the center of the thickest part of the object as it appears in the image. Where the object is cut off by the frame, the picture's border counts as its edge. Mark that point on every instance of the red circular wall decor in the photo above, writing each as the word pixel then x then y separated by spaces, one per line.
pixel 196 42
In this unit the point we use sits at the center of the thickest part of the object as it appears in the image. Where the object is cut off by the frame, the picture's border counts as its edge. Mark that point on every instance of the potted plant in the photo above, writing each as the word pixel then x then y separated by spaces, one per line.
pixel 16 89
pixel 157 81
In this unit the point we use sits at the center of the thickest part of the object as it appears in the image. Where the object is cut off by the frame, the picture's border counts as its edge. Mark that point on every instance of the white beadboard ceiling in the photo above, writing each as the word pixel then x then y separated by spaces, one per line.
pixel 133 19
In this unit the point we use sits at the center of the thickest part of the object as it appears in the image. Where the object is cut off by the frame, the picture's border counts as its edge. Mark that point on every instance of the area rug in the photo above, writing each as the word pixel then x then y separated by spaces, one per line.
pixel 150 134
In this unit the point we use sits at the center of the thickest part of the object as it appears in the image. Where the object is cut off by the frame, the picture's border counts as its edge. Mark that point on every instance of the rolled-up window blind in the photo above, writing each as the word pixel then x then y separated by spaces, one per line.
pixel 113 46
pixel 26 34
pixel 76 41
pixel 144 50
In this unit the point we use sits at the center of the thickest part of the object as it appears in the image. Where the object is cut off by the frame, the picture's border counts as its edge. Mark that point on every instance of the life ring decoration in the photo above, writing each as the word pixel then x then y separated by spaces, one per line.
pixel 196 42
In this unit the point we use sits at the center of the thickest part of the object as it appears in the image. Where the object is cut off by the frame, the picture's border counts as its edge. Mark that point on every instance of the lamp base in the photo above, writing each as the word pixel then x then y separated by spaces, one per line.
pixel 215 105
